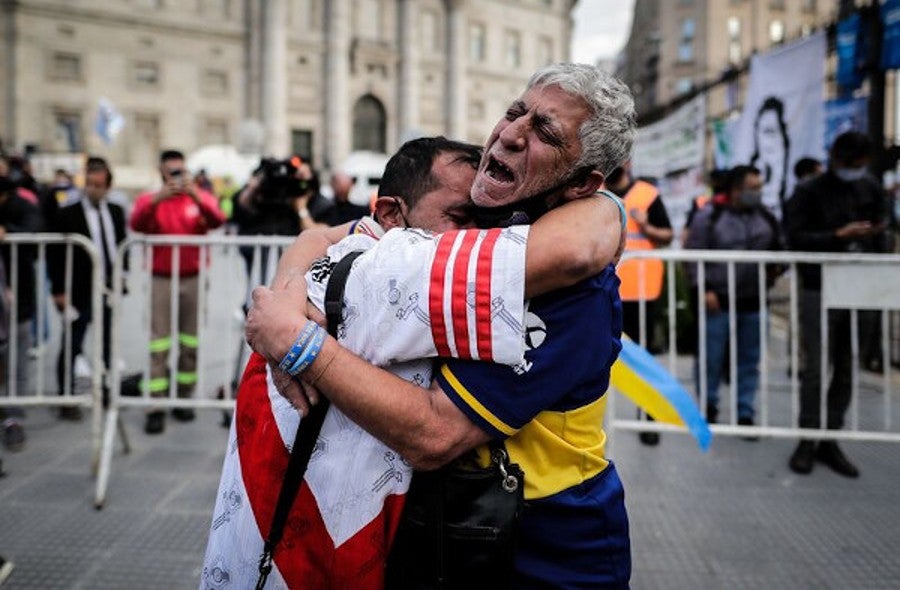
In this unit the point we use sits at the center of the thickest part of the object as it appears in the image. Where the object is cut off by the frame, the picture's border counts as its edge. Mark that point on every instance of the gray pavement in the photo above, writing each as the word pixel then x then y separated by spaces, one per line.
pixel 734 517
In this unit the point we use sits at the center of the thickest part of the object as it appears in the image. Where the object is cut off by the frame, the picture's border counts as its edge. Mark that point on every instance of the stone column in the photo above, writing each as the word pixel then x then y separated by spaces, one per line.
pixel 456 69
pixel 274 88
pixel 408 91
pixel 337 82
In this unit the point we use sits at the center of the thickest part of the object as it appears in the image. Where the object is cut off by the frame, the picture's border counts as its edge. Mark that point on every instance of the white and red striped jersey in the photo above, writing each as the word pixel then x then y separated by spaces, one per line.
pixel 411 297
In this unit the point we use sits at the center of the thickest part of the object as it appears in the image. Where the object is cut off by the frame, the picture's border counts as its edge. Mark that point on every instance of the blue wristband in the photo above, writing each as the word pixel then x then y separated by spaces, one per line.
pixel 299 344
pixel 309 353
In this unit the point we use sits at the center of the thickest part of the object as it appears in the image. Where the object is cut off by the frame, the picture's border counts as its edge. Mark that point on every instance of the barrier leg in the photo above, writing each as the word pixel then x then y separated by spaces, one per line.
pixel 96 437
pixel 112 419
pixel 123 435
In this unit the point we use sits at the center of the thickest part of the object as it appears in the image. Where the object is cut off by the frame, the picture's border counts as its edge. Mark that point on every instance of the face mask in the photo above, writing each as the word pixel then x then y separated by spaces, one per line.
pixel 750 199
pixel 850 174
pixel 524 211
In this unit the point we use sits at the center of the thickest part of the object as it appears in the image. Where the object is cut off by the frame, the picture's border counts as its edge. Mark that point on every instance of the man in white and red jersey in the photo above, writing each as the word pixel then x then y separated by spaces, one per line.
pixel 178 208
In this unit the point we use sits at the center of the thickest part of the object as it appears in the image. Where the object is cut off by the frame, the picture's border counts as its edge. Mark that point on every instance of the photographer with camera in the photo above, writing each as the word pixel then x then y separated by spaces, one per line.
pixel 178 208
pixel 274 203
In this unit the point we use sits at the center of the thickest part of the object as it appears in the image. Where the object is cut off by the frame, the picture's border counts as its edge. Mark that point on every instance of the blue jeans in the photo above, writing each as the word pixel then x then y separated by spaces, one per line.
pixel 748 347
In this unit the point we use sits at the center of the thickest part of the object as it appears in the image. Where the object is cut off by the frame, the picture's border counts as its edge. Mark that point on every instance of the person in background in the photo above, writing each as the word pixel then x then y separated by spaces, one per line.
pixel 201 179
pixel 178 208
pixel 842 210
pixel 341 210
pixel 807 169
pixel 18 215
pixel 740 223
pixel 63 188
pixel 642 280
pixel 104 224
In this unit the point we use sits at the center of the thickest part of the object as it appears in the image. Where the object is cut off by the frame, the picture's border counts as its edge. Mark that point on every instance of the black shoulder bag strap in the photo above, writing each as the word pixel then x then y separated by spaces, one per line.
pixel 310 426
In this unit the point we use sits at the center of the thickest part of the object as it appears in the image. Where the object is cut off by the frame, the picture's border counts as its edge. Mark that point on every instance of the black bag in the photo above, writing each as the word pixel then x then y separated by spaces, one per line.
pixel 458 528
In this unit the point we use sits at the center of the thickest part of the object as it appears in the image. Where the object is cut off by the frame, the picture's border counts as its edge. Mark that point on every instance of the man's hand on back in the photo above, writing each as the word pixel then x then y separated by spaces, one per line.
pixel 275 319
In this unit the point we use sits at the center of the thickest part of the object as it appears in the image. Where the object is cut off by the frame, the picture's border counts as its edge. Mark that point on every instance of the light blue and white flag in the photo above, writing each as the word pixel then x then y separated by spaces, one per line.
pixel 109 121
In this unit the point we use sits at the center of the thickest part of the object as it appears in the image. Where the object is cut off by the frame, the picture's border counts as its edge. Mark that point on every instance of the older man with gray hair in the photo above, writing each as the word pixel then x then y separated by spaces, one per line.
pixel 572 126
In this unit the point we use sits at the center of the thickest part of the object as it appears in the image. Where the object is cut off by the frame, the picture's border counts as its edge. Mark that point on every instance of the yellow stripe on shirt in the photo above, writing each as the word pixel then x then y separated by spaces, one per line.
pixel 556 450
pixel 473 403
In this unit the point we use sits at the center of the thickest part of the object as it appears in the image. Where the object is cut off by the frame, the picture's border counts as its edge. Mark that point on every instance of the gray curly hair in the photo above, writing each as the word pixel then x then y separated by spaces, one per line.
pixel 607 136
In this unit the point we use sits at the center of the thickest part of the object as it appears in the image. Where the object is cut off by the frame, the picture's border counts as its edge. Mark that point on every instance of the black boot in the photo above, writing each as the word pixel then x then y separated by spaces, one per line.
pixel 802 460
pixel 830 454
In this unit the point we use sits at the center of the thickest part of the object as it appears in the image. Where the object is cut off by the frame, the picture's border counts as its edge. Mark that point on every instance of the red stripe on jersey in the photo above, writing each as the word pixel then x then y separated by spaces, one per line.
pixel 436 293
pixel 458 308
pixel 483 296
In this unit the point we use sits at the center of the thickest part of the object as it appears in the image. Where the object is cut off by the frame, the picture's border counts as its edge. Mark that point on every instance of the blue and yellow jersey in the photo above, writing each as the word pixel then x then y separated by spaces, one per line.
pixel 549 408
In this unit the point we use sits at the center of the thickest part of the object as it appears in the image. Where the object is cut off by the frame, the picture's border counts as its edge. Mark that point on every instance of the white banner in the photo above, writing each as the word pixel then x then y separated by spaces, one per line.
pixel 672 144
pixel 783 117
pixel 671 152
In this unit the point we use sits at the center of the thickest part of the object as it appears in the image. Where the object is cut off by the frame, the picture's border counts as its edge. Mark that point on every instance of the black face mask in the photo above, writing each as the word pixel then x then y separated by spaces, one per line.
pixel 524 211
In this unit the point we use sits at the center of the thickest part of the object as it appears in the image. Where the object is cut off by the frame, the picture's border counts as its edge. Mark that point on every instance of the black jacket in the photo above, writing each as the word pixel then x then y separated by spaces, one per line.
pixel 824 204
pixel 71 220
pixel 19 216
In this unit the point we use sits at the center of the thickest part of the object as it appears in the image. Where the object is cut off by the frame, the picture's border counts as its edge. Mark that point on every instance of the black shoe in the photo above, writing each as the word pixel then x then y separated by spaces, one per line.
pixel 802 460
pixel 712 414
pixel 70 413
pixel 183 414
pixel 748 422
pixel 651 439
pixel 156 422
pixel 13 435
pixel 830 454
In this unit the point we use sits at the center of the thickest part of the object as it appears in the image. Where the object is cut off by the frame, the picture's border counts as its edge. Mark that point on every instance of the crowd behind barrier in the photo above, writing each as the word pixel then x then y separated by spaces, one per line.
pixel 27 379
pixel 858 282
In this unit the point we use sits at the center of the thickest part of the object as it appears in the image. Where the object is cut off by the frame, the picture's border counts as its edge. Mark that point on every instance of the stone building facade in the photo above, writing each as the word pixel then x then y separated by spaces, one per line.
pixel 677 45
pixel 318 77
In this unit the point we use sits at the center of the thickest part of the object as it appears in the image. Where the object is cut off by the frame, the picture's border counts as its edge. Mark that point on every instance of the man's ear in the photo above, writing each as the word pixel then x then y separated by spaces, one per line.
pixel 388 213
pixel 583 185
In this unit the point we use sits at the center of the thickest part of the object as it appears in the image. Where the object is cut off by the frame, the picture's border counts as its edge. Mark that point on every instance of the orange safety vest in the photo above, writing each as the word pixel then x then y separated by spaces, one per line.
pixel 646 273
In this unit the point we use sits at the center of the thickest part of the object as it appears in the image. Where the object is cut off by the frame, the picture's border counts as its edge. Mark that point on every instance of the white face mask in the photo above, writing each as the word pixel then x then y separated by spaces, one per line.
pixel 850 174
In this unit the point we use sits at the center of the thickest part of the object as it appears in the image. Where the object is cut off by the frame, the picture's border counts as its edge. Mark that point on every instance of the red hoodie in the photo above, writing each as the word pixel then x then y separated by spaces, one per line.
pixel 177 215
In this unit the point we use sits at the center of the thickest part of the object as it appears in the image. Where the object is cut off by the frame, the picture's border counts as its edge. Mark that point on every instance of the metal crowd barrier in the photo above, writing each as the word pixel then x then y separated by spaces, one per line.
pixel 17 361
pixel 853 282
pixel 224 288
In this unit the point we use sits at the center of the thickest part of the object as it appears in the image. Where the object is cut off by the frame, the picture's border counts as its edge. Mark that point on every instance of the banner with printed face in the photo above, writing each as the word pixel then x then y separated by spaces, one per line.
pixel 783 118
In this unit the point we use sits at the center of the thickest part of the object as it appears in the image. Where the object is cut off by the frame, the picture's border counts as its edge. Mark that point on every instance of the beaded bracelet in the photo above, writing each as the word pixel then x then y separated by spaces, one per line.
pixel 310 352
pixel 299 344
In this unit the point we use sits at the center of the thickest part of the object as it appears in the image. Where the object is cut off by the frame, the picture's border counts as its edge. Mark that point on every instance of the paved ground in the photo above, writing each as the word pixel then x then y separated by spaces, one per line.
pixel 732 518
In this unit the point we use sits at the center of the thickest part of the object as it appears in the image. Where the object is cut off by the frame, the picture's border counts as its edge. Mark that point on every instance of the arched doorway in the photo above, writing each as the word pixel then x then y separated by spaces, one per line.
pixel 369 124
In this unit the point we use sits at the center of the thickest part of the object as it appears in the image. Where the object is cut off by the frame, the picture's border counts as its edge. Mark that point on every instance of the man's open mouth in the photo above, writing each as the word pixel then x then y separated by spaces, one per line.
pixel 498 171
